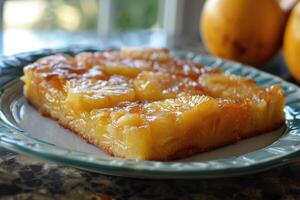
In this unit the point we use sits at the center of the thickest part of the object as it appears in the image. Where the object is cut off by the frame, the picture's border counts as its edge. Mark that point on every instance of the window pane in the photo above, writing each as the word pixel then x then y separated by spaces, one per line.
pixel 35 24
pixel 69 15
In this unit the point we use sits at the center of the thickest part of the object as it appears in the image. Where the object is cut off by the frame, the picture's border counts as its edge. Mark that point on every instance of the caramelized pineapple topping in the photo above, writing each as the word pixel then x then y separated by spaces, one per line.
pixel 144 104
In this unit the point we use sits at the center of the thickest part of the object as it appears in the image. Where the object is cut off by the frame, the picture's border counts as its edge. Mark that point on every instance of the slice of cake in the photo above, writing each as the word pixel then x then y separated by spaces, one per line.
pixel 144 104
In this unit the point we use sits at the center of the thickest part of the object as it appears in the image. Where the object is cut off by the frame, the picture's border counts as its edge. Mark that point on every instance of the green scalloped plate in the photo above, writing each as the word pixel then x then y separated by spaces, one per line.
pixel 18 122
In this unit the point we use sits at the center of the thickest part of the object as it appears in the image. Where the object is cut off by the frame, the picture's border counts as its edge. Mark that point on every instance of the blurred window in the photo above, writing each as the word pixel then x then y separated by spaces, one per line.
pixel 76 15
pixel 27 23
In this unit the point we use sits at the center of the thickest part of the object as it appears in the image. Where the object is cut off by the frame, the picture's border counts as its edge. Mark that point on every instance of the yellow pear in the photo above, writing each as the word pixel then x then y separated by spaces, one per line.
pixel 248 31
pixel 291 44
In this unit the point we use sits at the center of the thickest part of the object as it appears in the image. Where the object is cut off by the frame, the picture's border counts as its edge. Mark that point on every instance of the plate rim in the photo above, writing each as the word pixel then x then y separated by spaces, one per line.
pixel 14 139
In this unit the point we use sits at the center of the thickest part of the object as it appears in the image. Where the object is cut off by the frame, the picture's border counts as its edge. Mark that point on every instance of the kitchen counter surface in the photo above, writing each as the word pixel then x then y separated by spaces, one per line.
pixel 23 178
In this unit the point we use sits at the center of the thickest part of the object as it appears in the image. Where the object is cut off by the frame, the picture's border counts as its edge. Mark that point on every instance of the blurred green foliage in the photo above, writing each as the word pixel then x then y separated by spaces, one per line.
pixel 133 14
pixel 86 10
pixel 130 14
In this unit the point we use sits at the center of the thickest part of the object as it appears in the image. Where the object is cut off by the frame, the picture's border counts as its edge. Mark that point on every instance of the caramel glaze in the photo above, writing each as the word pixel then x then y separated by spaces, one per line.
pixel 92 66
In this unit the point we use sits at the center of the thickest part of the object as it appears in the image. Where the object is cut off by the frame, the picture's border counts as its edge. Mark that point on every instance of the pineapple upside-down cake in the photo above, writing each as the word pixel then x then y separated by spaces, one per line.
pixel 144 104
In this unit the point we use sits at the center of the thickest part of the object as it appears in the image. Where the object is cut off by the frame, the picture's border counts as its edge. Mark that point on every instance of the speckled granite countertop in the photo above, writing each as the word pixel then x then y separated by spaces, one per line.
pixel 23 177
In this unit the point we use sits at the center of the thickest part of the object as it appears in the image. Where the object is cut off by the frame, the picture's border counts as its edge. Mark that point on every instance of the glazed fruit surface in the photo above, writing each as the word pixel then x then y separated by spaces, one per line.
pixel 144 104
